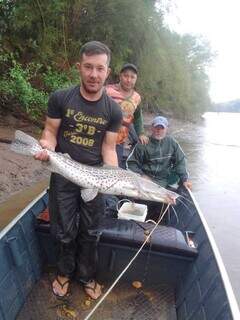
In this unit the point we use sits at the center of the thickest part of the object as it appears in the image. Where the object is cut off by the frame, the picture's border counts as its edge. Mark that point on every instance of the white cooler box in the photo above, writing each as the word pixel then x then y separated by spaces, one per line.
pixel 133 211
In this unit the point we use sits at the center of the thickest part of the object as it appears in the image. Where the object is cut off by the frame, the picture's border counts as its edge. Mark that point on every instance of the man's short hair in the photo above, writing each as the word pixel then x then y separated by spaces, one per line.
pixel 95 47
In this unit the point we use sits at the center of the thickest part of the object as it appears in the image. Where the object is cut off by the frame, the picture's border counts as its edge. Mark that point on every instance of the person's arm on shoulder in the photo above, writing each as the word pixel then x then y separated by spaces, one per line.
pixel 48 139
pixel 138 125
pixel 109 153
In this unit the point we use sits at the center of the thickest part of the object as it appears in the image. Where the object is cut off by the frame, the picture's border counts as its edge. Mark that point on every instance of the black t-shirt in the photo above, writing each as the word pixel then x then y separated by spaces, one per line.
pixel 84 123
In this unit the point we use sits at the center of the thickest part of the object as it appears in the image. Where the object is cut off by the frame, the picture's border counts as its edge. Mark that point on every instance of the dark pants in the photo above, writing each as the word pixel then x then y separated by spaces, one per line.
pixel 71 218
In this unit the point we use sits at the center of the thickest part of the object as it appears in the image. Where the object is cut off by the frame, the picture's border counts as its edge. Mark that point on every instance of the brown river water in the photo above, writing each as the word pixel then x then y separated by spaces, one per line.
pixel 213 152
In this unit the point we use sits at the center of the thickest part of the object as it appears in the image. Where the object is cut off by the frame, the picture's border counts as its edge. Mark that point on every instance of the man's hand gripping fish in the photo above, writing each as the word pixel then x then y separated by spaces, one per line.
pixel 106 179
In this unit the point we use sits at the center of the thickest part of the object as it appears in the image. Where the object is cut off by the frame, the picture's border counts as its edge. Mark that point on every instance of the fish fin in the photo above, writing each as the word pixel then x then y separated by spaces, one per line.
pixel 134 174
pixel 88 194
pixel 66 155
pixel 25 144
pixel 47 165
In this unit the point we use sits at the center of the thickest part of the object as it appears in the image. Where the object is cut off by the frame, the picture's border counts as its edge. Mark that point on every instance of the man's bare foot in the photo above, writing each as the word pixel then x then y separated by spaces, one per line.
pixel 60 286
pixel 93 289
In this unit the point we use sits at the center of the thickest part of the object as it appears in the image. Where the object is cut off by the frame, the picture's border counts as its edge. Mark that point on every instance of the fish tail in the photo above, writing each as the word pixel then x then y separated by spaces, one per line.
pixel 25 144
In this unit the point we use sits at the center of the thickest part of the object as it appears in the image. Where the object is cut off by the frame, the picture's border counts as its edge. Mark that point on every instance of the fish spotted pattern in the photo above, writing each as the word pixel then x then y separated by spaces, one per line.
pixel 105 179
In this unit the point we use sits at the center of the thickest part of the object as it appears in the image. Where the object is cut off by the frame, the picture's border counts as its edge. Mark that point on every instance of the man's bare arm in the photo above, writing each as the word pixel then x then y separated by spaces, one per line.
pixel 48 139
pixel 109 154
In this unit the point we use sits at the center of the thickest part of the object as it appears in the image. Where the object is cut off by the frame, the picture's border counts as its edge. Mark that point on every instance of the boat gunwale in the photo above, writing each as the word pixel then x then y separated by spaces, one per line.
pixel 9 226
pixel 224 276
pixel 223 272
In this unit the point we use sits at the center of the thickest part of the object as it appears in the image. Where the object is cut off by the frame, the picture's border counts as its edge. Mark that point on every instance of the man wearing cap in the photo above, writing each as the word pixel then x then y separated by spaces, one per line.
pixel 162 159
pixel 129 100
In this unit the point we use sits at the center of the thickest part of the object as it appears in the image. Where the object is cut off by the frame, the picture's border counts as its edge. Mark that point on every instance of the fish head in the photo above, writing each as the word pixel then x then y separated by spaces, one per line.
pixel 150 190
pixel 170 197
pixel 161 194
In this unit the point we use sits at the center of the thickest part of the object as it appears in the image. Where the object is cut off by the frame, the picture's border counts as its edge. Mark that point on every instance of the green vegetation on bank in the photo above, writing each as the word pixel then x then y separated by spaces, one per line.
pixel 40 42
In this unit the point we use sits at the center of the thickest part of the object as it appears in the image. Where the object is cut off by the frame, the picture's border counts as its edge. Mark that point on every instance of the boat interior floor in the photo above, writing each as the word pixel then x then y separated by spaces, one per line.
pixel 125 302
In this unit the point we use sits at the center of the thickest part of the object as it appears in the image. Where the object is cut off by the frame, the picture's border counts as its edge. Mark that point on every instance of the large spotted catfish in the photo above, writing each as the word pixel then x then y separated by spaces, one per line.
pixel 108 180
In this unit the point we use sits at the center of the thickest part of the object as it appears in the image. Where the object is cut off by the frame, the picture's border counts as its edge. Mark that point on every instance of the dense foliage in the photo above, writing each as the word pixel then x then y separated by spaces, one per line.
pixel 40 42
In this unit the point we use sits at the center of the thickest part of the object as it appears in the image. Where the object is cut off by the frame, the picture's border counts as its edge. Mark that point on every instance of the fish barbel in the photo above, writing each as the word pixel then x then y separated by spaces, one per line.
pixel 105 179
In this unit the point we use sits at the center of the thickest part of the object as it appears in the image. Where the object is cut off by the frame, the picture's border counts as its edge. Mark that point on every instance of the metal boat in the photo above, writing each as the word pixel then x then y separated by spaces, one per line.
pixel 179 272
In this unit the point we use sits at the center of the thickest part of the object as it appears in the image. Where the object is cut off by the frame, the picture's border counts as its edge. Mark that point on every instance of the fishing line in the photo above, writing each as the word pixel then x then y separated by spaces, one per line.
pixel 125 269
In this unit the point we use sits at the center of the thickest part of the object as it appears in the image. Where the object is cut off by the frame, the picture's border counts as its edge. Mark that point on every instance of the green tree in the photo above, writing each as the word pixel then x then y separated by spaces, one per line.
pixel 49 34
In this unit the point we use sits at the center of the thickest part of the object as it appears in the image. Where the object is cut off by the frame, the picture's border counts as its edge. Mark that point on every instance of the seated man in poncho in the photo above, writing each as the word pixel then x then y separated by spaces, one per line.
pixel 161 160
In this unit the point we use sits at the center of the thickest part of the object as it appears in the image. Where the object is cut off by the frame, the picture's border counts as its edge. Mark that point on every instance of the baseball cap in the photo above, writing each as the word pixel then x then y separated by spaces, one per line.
pixel 160 121
pixel 129 66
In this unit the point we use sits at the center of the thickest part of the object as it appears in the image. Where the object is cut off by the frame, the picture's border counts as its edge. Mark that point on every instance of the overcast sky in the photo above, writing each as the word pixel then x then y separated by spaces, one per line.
pixel 219 22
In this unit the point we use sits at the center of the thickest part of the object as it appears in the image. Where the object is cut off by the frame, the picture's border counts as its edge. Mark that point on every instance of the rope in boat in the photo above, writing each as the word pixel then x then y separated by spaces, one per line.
pixel 125 269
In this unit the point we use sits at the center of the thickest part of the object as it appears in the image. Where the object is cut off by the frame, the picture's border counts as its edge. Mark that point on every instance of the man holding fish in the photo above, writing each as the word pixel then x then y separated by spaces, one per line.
pixel 79 136
pixel 82 121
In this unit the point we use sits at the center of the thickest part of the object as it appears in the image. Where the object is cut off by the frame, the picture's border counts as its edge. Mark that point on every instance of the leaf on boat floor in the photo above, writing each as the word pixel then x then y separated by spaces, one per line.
pixel 124 303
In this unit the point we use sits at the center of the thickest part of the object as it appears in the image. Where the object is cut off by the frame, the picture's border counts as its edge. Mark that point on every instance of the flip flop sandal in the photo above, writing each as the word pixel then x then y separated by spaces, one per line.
pixel 62 285
pixel 87 286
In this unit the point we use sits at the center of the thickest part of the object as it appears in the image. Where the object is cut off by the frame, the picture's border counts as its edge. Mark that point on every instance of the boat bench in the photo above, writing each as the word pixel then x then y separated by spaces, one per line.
pixel 131 234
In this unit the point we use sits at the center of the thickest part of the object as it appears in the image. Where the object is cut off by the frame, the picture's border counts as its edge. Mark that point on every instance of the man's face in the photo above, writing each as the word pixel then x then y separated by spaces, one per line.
pixel 93 72
pixel 127 79
pixel 159 132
